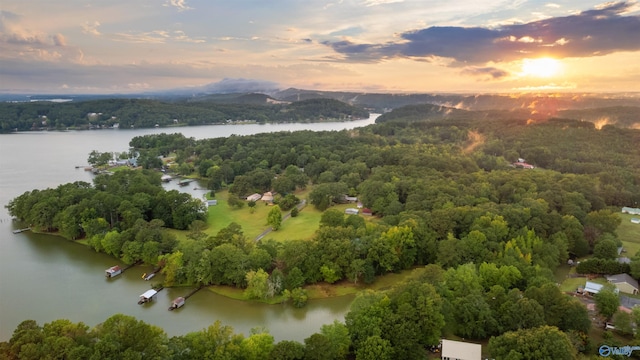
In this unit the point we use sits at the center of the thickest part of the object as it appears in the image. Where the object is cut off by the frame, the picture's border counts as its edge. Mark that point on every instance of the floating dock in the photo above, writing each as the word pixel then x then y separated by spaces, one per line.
pixel 18 231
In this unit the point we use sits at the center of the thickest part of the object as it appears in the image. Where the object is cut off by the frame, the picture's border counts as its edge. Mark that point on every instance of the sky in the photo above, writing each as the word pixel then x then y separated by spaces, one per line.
pixel 434 46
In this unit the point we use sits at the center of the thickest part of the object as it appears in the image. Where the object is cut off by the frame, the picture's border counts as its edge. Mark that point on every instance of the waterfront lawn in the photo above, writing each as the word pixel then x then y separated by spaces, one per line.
pixel 254 222
pixel 322 290
pixel 629 234
pixel 301 227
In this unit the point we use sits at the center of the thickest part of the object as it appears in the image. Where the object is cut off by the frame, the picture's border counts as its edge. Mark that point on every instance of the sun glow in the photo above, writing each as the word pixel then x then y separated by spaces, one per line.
pixel 542 67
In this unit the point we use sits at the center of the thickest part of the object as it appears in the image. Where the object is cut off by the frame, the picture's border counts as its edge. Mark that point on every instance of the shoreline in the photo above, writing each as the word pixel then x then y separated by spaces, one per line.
pixel 174 126
pixel 316 291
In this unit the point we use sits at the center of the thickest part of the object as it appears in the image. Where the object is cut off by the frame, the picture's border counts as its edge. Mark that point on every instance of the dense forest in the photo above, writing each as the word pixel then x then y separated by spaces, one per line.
pixel 482 235
pixel 145 113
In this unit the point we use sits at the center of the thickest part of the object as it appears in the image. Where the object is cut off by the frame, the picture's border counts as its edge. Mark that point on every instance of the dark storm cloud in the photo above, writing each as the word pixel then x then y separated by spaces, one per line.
pixel 490 72
pixel 589 33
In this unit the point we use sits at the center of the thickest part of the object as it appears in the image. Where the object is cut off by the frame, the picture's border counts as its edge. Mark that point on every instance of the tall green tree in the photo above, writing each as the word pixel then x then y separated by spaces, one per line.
pixel 607 302
pixel 124 337
pixel 541 343
pixel 257 284
pixel 274 218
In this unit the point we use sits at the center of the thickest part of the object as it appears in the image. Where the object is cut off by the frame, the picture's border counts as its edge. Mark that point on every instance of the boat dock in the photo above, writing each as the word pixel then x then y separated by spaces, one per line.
pixel 148 295
pixel 179 302
pixel 18 231
pixel 117 270
pixel 152 274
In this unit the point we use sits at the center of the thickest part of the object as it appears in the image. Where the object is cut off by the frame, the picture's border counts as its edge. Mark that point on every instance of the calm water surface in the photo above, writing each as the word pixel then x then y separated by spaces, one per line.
pixel 46 278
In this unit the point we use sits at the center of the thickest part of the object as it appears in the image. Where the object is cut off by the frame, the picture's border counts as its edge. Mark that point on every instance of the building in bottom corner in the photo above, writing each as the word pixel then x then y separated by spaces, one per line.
pixel 458 350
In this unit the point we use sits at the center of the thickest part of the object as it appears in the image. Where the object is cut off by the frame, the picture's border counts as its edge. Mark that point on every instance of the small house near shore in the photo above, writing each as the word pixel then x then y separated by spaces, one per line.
pixel 351 211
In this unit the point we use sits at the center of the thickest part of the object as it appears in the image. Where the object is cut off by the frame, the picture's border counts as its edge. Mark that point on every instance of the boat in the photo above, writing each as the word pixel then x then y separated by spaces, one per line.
pixel 150 276
pixel 113 271
pixel 166 178
pixel 185 182
pixel 177 303
pixel 147 296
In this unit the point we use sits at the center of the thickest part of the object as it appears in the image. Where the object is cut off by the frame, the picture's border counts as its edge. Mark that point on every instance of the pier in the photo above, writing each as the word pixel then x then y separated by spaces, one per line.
pixel 152 274
pixel 18 231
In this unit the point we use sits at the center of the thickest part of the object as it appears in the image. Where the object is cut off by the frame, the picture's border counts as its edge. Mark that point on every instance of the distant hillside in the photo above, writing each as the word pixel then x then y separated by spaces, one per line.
pixel 624 117
pixel 238 98
pixel 143 113
pixel 620 116
pixel 546 104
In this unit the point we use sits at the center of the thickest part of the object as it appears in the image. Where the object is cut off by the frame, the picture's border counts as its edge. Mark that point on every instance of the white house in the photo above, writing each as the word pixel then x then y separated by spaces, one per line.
pixel 458 350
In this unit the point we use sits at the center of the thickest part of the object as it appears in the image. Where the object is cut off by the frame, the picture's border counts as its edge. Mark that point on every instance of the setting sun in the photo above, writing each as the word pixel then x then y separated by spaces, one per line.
pixel 542 67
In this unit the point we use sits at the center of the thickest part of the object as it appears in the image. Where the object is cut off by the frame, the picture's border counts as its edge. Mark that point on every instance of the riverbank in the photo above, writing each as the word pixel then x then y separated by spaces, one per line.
pixel 318 291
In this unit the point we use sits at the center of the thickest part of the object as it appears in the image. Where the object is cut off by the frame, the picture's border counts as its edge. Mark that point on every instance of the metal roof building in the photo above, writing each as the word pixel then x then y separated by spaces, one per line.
pixel 458 350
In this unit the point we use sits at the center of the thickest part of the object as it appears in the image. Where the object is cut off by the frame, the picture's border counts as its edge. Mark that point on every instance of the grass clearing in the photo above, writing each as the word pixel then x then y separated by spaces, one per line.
pixel 301 227
pixel 254 221
pixel 629 234
pixel 571 284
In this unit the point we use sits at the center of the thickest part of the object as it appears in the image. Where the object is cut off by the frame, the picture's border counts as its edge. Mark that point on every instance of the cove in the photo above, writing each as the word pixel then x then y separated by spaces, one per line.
pixel 44 277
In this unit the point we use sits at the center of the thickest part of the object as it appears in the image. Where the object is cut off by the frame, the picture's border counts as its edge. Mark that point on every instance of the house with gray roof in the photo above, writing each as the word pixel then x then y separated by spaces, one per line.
pixel 624 282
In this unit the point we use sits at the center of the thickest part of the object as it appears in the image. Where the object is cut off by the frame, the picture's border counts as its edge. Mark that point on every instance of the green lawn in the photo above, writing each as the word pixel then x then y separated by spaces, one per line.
pixel 571 284
pixel 302 226
pixel 629 233
pixel 254 222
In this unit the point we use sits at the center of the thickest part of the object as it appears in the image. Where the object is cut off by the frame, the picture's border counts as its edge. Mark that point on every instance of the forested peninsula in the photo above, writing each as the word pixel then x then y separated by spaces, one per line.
pixel 450 200
pixel 147 113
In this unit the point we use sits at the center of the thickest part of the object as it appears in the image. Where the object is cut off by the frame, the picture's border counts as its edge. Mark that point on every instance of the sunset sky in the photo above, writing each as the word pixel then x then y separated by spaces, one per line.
pixel 122 46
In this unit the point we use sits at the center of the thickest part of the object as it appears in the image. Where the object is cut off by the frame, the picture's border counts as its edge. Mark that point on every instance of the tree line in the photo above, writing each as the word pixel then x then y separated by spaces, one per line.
pixel 403 322
pixel 145 113
pixel 124 214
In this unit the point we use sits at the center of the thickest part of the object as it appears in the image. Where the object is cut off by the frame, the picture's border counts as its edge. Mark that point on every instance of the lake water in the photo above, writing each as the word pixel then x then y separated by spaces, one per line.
pixel 46 278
